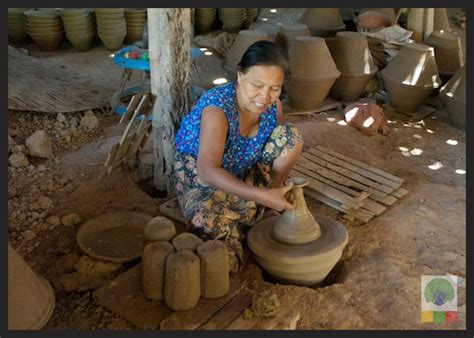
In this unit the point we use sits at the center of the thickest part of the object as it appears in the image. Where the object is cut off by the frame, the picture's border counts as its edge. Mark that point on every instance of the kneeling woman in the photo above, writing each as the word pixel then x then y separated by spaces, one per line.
pixel 233 154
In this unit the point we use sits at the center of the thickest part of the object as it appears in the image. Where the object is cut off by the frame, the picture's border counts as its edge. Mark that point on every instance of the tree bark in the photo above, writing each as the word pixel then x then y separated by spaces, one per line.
pixel 169 31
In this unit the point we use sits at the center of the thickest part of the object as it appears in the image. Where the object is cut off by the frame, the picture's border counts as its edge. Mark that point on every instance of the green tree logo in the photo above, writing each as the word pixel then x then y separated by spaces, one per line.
pixel 439 291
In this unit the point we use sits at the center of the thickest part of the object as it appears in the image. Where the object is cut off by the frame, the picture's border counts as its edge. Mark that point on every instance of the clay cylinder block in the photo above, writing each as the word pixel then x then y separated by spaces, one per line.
pixel 448 52
pixel 214 259
pixel 244 39
pixel 153 260
pixel 310 59
pixel 324 22
pixel 287 33
pixel 160 229
pixel 30 297
pixel 182 280
pixel 454 95
pixel 186 241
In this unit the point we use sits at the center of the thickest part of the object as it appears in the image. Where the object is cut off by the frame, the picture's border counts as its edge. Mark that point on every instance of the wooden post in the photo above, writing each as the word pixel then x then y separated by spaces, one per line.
pixel 169 31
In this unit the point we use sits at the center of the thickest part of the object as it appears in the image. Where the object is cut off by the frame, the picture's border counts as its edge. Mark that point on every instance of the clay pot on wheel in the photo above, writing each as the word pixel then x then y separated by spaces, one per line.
pixel 454 95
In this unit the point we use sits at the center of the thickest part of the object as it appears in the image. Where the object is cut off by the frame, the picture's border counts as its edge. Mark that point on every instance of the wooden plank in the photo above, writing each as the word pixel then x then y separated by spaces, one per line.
pixel 111 155
pixel 131 108
pixel 124 296
pixel 359 170
pixel 359 195
pixel 362 165
pixel 143 127
pixel 202 312
pixel 373 206
pixel 141 106
pixel 229 313
pixel 285 319
pixel 399 193
pixel 348 173
pixel 376 195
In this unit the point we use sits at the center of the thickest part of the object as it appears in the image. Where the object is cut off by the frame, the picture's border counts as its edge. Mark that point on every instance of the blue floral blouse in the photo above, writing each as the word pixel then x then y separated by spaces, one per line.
pixel 240 153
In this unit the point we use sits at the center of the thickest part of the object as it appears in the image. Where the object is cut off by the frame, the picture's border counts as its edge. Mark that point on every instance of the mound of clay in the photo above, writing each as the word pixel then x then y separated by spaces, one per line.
pixel 182 280
pixel 153 260
pixel 160 229
pixel 186 241
pixel 214 269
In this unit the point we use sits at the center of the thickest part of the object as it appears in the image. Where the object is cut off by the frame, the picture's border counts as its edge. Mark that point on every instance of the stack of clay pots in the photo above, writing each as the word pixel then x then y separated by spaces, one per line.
pixel 232 18
pixel 204 19
pixel 313 72
pixel 45 28
pixel 135 19
pixel 441 20
pixel 287 33
pixel 351 54
pixel 16 25
pixel 244 39
pixel 454 95
pixel 324 22
pixel 79 27
pixel 448 52
pixel 111 26
pixel 411 76
pixel 251 15
pixel 180 269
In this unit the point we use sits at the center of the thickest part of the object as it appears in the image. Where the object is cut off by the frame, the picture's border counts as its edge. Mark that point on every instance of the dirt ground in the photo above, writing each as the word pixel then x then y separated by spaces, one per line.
pixel 376 285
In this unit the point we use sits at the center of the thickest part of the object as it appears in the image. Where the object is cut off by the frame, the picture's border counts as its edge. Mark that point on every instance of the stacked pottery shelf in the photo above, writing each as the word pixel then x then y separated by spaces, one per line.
pixel 135 19
pixel 324 22
pixel 454 95
pixel 232 18
pixel 45 28
pixel 351 54
pixel 204 19
pixel 79 27
pixel 111 26
pixel 448 52
pixel 410 77
pixel 287 33
pixel 313 72
pixel 16 25
pixel 244 39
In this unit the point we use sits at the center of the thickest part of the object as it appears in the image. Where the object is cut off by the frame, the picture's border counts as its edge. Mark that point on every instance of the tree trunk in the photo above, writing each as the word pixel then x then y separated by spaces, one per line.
pixel 169 51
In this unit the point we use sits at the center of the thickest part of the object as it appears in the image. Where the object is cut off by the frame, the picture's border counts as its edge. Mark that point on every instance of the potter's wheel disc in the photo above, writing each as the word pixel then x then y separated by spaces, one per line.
pixel 116 236
pixel 333 237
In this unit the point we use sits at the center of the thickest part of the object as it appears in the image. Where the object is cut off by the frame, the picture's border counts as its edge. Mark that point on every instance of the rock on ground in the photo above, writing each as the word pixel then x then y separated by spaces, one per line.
pixel 39 144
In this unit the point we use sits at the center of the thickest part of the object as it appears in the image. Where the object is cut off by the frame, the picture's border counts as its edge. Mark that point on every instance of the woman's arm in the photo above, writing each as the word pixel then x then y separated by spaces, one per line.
pixel 213 135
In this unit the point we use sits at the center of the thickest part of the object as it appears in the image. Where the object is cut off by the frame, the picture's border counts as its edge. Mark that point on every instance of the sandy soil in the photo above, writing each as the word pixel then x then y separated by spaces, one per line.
pixel 376 285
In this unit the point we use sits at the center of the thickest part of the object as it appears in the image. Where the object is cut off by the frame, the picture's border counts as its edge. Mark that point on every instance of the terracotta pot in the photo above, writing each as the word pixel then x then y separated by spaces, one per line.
pixel 117 25
pixel 441 20
pixel 323 22
pixel 244 39
pixel 405 98
pixel 81 43
pixel 372 21
pixel 308 94
pixel 287 33
pixel 109 10
pixel 454 95
pixel 72 12
pixel 109 16
pixel 112 41
pixel 310 59
pixel 48 42
pixel 72 20
pixel 448 51
pixel 389 12
pixel 307 249
pixel 31 298
pixel 414 66
pixel 349 88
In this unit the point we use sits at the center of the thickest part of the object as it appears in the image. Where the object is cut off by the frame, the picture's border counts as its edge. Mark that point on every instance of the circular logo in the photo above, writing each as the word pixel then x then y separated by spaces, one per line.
pixel 439 291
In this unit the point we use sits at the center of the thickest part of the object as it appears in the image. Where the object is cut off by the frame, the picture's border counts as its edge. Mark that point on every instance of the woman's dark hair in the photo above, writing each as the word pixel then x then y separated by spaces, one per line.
pixel 262 53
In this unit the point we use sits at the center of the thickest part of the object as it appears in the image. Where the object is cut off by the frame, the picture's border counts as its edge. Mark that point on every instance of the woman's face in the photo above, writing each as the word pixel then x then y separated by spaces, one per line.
pixel 259 88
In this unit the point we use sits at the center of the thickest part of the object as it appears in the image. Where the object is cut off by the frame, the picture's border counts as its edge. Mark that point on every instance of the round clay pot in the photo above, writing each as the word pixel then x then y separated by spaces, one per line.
pixel 372 21
pixel 48 42
pixel 112 31
pixel 301 264
pixel 287 33
pixel 414 66
pixel 82 42
pixel 348 88
pixel 72 12
pixel 448 51
pixel 109 10
pixel 79 27
pixel 79 19
pixel 112 41
pixel 310 59
pixel 325 22
pixel 109 16
pixel 441 20
pixel 31 299
pixel 244 39
pixel 403 97
pixel 308 94
pixel 42 15
pixel 454 95
pixel 389 12
pixel 115 25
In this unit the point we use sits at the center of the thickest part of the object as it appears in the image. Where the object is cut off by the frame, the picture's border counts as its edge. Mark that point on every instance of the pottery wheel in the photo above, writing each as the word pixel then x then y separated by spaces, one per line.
pixel 261 242
pixel 116 236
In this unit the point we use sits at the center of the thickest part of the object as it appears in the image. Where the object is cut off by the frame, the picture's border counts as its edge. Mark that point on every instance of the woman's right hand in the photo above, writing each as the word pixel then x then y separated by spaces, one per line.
pixel 274 198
